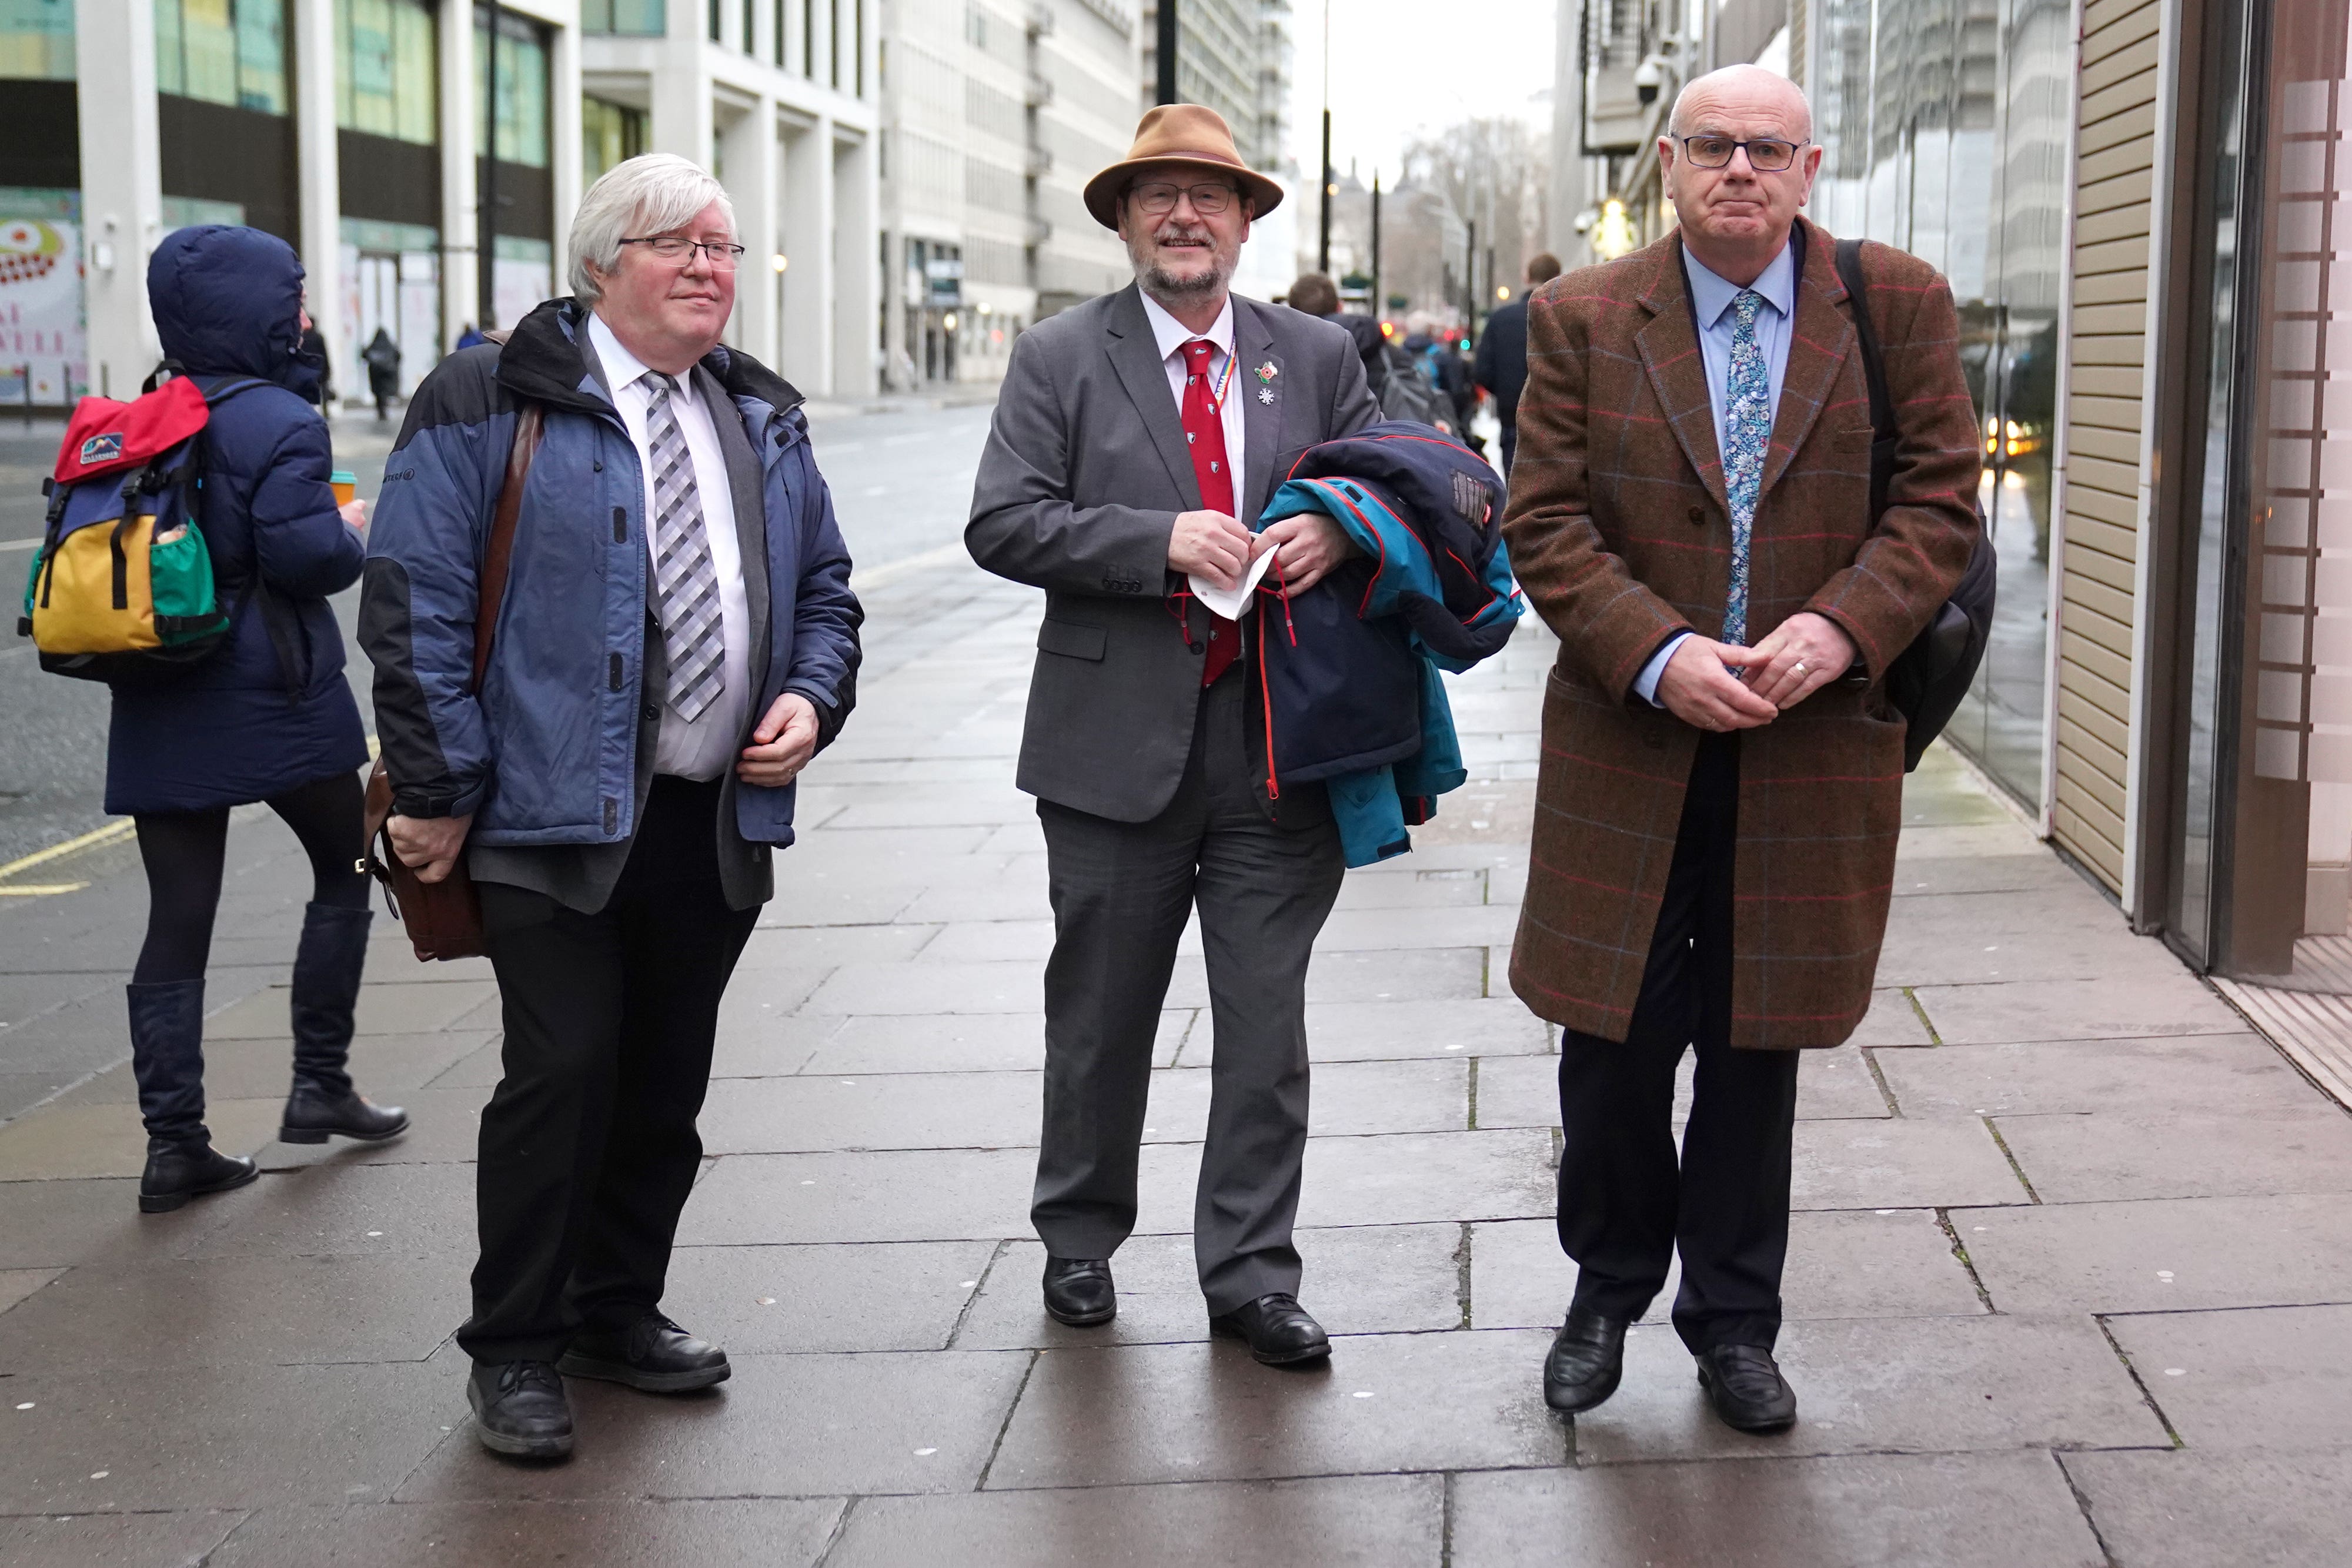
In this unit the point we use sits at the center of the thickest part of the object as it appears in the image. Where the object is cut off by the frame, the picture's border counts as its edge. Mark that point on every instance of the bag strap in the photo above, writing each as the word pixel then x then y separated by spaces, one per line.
pixel 1874 375
pixel 499 555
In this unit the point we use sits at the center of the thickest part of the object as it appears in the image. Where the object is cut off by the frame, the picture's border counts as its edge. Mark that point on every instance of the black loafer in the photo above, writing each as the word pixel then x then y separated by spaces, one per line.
pixel 1279 1331
pixel 652 1354
pixel 1586 1360
pixel 1744 1383
pixel 178 1172
pixel 520 1409
pixel 312 1115
pixel 1078 1292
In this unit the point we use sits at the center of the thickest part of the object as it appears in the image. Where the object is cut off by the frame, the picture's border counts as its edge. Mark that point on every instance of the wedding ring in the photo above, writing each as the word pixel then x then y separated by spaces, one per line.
pixel 1800 667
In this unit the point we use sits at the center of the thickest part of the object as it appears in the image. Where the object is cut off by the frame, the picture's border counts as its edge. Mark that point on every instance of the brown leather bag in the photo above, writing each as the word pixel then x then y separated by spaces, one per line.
pixel 444 918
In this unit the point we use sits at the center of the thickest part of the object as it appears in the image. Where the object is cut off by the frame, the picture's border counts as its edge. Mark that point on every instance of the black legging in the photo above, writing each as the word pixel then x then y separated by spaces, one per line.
pixel 185 851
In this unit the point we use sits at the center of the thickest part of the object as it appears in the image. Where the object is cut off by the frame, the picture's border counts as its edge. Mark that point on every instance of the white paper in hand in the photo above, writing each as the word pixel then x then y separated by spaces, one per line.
pixel 1228 601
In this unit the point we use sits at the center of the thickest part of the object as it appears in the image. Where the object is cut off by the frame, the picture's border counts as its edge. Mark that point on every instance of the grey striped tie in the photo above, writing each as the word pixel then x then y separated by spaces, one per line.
pixel 691 634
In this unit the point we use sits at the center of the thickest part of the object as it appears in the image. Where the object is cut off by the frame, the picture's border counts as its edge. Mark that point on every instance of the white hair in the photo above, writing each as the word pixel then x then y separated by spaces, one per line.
pixel 649 194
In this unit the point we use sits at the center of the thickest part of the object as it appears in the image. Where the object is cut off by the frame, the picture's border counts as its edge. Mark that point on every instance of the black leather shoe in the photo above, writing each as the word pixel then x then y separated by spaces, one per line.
pixel 178 1172
pixel 1279 1331
pixel 1744 1383
pixel 520 1408
pixel 1586 1359
pixel 652 1354
pixel 312 1114
pixel 1078 1292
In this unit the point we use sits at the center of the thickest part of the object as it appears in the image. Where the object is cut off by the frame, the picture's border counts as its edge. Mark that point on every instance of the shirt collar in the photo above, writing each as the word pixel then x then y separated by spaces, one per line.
pixel 1712 294
pixel 622 367
pixel 1171 334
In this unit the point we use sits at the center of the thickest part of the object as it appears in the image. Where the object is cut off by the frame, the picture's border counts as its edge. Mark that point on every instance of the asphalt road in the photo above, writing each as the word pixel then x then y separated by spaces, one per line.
pixel 901 484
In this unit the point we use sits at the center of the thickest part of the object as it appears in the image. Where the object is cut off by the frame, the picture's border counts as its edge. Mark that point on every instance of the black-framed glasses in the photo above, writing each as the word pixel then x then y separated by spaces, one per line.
pixel 1157 198
pixel 1766 154
pixel 723 253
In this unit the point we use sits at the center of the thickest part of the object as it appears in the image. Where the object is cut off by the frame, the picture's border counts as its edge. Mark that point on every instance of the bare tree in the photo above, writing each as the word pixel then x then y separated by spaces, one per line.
pixel 1494 173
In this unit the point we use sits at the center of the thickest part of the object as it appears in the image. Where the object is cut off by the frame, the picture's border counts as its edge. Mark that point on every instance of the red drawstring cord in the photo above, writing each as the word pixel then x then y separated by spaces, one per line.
pixel 1178 605
pixel 1265 705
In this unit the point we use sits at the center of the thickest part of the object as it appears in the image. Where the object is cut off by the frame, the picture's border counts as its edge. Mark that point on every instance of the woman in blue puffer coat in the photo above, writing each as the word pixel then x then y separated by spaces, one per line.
pixel 268 717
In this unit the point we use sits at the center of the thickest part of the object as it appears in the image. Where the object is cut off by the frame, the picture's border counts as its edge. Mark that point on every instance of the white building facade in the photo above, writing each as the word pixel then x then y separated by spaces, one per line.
pixel 995 112
pixel 425 158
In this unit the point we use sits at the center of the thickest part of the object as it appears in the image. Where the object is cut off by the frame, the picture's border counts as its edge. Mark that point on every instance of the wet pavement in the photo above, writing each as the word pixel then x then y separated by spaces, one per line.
pixel 2067 1280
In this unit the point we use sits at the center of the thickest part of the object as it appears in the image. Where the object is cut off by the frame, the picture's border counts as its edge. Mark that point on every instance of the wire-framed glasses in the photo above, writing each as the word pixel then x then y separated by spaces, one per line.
pixel 723 253
pixel 1766 154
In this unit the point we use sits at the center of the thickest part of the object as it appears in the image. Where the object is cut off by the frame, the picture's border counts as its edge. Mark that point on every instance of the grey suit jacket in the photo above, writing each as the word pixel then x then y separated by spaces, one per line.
pixel 582 876
pixel 1085 472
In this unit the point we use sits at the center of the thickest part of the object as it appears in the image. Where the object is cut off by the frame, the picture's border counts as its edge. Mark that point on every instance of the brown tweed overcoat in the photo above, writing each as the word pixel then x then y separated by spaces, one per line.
pixel 1620 537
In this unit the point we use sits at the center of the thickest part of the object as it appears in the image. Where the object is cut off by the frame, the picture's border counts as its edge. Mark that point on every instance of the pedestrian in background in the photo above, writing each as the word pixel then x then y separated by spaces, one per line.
pixel 1501 367
pixel 1134 437
pixel 1317 295
pixel 1695 522
pixel 269 716
pixel 314 351
pixel 618 780
pixel 1447 371
pixel 383 358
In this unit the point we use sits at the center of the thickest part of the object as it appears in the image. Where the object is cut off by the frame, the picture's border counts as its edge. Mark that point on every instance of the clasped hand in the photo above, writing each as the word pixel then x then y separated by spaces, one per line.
pixel 1307 547
pixel 1721 685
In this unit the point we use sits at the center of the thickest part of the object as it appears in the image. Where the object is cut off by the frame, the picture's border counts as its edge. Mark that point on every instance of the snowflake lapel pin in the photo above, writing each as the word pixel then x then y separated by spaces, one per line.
pixel 1265 394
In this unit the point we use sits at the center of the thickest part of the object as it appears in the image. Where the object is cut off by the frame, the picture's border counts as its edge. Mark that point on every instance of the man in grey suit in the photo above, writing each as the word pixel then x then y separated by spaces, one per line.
pixel 1134 436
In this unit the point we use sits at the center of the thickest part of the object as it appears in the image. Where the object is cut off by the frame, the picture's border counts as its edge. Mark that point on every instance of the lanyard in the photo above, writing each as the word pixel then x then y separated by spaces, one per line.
pixel 1224 383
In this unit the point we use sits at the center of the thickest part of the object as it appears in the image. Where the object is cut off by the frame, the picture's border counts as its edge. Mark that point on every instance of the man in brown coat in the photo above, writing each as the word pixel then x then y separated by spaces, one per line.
pixel 1717 805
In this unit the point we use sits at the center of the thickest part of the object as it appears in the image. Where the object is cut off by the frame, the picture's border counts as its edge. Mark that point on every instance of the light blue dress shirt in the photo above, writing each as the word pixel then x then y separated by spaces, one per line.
pixel 1711 296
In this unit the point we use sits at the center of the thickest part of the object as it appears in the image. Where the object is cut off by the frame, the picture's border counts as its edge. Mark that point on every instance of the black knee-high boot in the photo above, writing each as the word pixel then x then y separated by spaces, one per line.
pixel 167 1056
pixel 327 968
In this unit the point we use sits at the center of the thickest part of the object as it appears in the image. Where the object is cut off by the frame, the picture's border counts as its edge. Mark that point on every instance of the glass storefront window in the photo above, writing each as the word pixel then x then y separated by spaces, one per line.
pixel 223 51
pixel 1945 125
pixel 633 18
pixel 518 108
pixel 610 133
pixel 386 80
pixel 36 40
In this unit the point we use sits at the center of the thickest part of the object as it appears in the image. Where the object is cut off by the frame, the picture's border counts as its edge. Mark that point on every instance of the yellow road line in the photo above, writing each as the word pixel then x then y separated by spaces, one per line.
pixel 114 833
pixel 41 890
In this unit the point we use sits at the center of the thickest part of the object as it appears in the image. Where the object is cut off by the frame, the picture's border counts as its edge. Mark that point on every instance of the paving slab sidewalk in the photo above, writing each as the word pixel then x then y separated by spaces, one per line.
pixel 2066 1285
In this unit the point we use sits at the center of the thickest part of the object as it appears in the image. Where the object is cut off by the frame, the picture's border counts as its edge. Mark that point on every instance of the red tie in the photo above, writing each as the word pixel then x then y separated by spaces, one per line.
pixel 1205 434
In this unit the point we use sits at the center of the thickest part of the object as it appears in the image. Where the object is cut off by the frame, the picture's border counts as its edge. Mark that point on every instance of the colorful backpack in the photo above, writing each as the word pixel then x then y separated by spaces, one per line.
pixel 122 585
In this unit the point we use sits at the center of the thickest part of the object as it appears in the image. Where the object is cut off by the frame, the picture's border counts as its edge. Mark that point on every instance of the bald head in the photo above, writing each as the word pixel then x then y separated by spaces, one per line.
pixel 1744 93
pixel 1735 217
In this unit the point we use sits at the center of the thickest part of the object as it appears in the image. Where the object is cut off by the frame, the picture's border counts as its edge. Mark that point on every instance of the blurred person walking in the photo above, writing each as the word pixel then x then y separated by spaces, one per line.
pixel 676 639
pixel 267 716
pixel 381 357
pixel 1317 295
pixel 1501 365
pixel 1135 436
pixel 1694 521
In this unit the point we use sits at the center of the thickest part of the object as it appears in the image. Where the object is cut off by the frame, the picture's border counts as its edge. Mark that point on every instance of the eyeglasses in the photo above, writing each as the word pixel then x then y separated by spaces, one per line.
pixel 1158 198
pixel 723 253
pixel 1766 154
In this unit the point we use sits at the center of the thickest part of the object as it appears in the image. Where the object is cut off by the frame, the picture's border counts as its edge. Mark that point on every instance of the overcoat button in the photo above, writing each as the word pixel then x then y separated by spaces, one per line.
pixel 1698 514
pixel 1653 740
pixel 652 712
pixel 1200 649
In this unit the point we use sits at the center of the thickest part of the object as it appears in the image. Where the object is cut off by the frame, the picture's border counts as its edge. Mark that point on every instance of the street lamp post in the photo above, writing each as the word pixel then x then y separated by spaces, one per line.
pixel 1379 305
pixel 1167 51
pixel 1323 246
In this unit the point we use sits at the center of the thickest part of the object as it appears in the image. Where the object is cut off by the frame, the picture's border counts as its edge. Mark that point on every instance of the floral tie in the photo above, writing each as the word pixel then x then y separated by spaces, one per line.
pixel 1747 434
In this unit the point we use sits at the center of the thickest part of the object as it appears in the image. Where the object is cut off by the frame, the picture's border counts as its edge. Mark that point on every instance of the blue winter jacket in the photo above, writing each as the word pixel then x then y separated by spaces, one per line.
pixel 547 752
pixel 1361 705
pixel 262 715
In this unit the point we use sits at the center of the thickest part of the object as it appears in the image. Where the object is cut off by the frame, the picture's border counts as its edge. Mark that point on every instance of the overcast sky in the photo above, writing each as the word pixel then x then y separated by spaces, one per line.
pixel 1402 66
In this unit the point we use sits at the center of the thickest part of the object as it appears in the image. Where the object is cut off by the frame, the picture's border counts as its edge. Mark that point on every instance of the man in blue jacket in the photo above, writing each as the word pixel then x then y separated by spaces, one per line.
pixel 678 639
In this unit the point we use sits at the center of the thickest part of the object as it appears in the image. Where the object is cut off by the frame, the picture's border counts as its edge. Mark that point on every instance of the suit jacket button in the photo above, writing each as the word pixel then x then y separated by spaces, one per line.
pixel 1653 739
pixel 1200 649
pixel 652 712
pixel 1698 514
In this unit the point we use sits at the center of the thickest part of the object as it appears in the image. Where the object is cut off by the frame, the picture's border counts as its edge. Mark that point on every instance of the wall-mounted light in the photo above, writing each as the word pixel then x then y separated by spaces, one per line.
pixel 780 261
pixel 1502 291
pixel 951 322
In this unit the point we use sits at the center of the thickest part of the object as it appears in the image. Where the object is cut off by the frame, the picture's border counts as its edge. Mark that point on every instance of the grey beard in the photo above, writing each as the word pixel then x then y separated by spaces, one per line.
pixel 1162 284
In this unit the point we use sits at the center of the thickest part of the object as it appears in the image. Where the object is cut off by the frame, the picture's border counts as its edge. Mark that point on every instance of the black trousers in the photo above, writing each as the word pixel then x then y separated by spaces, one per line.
pixel 1625 1206
pixel 589 1147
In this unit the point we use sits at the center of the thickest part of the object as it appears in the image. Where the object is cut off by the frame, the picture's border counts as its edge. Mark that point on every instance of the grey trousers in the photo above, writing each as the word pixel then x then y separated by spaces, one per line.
pixel 1121 895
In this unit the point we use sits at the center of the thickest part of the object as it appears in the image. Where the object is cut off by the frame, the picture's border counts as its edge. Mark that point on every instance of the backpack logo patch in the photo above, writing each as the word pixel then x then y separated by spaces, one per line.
pixel 1470 500
pixel 102 448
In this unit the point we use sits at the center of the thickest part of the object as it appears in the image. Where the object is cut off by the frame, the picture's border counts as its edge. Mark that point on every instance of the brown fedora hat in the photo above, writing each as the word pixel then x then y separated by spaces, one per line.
pixel 1180 133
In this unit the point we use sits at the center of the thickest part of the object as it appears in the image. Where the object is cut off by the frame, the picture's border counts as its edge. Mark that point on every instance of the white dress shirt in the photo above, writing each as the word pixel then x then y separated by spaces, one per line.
pixel 706 746
pixel 1172 335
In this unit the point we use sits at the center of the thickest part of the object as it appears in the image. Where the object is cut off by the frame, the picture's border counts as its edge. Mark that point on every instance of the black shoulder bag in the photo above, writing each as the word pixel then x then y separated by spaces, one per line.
pixel 1927 680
